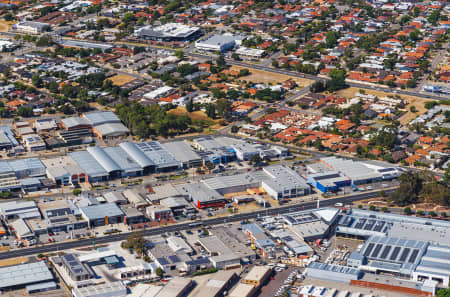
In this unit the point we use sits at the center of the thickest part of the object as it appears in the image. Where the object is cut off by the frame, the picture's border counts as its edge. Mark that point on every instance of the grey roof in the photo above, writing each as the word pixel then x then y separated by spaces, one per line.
pixel 10 135
pixel 103 158
pixel 107 289
pixel 112 129
pixel 218 40
pixel 74 265
pixel 181 151
pixel 114 197
pixel 102 117
pixel 27 164
pixel 333 268
pixel 88 163
pixel 138 155
pixel 101 211
pixel 156 152
pixel 82 44
pixel 24 274
pixel 283 178
pixel 353 169
pixel 75 121
pixel 199 192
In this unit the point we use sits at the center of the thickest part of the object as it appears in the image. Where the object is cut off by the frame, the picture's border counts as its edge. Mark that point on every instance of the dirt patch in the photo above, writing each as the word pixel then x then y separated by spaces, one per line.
pixel 6 26
pixel 121 79
pixel 417 102
pixel 13 261
pixel 266 77
pixel 195 115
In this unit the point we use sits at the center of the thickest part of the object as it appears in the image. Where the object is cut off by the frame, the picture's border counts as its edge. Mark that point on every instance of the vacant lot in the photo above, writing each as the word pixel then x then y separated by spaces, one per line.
pixel 13 261
pixel 265 77
pixel 5 26
pixel 195 116
pixel 417 102
pixel 121 79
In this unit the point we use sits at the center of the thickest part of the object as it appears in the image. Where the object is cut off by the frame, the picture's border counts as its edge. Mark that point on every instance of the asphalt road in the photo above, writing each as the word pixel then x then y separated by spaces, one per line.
pixel 178 227
pixel 316 78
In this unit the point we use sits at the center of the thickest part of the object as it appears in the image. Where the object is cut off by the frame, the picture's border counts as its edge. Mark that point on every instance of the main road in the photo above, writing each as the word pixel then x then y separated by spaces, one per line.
pixel 184 226
pixel 316 78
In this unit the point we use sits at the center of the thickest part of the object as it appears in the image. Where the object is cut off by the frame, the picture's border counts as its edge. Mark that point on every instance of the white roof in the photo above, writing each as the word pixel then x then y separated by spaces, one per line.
pixel 97 255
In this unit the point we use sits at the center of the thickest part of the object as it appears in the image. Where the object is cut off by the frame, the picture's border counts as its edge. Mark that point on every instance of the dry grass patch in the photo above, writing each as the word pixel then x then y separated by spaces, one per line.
pixel 417 102
pixel 121 79
pixel 13 261
pixel 266 77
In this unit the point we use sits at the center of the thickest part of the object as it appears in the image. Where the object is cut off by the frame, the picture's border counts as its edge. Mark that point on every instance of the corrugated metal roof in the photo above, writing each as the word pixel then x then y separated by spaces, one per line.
pixel 103 159
pixel 88 163
pixel 102 117
pixel 24 274
pixel 134 152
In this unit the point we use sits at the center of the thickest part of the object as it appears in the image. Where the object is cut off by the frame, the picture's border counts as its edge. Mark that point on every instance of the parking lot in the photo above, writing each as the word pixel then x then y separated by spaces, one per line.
pixel 280 283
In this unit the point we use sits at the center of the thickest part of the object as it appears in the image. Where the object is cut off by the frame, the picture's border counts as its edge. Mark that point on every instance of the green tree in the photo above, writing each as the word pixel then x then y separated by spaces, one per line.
pixel 36 80
pixel 190 106
pixel 337 81
pixel 25 112
pixel 179 54
pixel 76 192
pixel 223 107
pixel 331 39
pixel 255 159
pixel 407 210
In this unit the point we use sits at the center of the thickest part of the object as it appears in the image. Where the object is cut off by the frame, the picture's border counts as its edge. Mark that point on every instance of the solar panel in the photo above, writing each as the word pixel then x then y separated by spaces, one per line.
pixel 369 225
pixel 385 252
pixel 369 249
pixel 360 223
pixel 174 259
pixel 404 255
pixel 377 250
pixel 378 226
pixel 414 255
pixel 395 253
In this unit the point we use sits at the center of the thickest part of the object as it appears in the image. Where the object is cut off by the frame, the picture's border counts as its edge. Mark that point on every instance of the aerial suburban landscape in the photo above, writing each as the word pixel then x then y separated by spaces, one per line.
pixel 236 148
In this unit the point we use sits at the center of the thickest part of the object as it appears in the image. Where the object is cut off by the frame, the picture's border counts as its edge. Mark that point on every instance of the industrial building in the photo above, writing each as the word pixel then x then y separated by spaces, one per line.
pixel 102 214
pixel 328 181
pixel 168 32
pixel 401 245
pixel 213 151
pixel 333 272
pixel 106 124
pixel 220 254
pixel 116 289
pixel 310 225
pixel 214 43
pixel 201 195
pixel 354 170
pixel 25 276
pixel 184 153
pixel 284 183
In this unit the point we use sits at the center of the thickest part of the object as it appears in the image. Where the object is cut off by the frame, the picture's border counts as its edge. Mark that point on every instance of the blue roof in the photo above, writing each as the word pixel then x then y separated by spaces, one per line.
pixel 10 135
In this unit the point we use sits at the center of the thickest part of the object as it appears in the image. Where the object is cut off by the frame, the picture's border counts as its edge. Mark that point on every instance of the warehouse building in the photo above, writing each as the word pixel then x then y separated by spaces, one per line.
pixel 102 214
pixel 64 171
pixel 30 27
pixel 201 195
pixel 333 272
pixel 168 32
pixel 25 276
pixel 19 210
pixel 22 168
pixel 76 123
pixel 284 183
pixel 113 289
pixel 184 152
pixel 106 124
pixel 354 170
pixel 311 225
pixel 364 224
pixel 220 254
pixel 328 181
pixel 76 270
pixel 93 169
pixel 151 156
pixel 7 138
pixel 213 151
pixel 216 285
pixel 214 43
